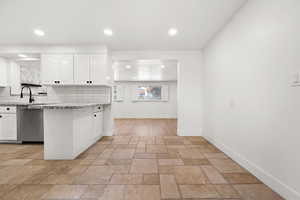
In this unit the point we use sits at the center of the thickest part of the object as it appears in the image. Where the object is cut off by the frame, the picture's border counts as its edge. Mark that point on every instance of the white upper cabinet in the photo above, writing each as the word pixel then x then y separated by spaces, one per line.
pixel 82 69
pixel 77 69
pixel 98 69
pixel 90 69
pixel 65 69
pixel 48 69
pixel 3 73
pixel 57 69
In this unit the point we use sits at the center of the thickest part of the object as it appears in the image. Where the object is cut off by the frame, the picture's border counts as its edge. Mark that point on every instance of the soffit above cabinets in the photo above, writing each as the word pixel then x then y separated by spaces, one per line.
pixel 145 70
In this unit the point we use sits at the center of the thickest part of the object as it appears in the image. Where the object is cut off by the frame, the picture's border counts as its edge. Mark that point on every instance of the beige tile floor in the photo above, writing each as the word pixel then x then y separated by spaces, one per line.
pixel 146 127
pixel 139 166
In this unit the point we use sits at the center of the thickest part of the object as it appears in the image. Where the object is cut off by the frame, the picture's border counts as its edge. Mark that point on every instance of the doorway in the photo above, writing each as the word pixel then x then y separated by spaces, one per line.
pixel 145 97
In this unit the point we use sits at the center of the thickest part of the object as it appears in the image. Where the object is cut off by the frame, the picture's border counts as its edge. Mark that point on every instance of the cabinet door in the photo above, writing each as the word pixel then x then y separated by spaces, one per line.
pixel 8 127
pixel 81 69
pixel 3 72
pixel 83 129
pixel 57 67
pixel 98 125
pixel 50 64
pixel 98 69
pixel 65 69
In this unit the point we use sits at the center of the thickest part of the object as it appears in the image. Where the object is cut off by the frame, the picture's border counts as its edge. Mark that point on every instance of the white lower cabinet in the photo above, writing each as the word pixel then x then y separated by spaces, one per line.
pixel 69 132
pixel 98 125
pixel 8 124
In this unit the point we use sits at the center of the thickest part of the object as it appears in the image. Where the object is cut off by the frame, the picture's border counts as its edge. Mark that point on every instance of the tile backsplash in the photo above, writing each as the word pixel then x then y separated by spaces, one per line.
pixel 80 94
pixel 74 94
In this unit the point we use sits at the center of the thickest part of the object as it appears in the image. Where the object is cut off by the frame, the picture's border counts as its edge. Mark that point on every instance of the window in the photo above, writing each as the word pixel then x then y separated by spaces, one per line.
pixel 149 93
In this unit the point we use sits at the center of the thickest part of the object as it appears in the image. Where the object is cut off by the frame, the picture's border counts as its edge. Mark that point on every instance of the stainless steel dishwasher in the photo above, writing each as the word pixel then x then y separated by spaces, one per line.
pixel 30 124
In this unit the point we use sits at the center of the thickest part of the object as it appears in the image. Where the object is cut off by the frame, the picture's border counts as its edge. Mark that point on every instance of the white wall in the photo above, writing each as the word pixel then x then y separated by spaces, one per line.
pixel 189 92
pixel 251 110
pixel 144 109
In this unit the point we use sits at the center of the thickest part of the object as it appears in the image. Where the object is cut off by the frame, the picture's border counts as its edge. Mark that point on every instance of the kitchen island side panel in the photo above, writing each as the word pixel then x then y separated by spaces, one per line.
pixel 58 134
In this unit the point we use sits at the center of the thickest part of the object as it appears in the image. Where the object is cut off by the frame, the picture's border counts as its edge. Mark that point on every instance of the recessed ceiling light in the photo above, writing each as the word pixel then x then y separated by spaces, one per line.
pixel 22 55
pixel 162 66
pixel 128 66
pixel 172 31
pixel 108 32
pixel 39 32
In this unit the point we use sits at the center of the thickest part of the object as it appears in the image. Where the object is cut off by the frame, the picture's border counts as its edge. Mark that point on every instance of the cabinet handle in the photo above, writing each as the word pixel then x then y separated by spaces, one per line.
pixel 0 116
pixel 58 81
pixel 91 81
pixel 87 82
pixel 7 108
pixel 95 115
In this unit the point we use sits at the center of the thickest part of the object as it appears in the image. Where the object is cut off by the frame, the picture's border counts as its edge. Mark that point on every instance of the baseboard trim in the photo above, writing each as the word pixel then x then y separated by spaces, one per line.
pixel 284 190
pixel 108 133
pixel 189 133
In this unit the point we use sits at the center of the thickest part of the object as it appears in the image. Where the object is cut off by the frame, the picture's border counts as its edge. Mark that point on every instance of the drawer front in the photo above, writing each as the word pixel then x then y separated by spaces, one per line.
pixel 8 109
pixel 98 108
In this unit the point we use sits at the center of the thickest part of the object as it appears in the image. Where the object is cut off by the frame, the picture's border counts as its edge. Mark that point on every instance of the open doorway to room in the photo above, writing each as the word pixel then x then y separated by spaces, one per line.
pixel 145 97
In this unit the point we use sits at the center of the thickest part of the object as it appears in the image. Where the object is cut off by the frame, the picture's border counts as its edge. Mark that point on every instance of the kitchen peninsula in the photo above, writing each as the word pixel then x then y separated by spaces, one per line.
pixel 70 129
pixel 67 129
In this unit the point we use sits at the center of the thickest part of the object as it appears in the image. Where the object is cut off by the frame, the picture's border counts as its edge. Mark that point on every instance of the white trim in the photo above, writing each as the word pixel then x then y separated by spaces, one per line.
pixel 108 133
pixel 193 133
pixel 284 190
pixel 117 55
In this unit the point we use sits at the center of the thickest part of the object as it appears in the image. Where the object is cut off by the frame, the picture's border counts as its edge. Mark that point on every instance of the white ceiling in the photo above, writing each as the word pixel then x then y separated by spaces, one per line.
pixel 137 24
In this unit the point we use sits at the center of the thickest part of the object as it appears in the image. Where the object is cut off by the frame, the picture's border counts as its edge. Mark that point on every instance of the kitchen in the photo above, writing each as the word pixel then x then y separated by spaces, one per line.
pixel 38 96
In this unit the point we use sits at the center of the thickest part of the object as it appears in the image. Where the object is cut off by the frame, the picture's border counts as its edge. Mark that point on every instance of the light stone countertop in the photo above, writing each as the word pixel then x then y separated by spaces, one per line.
pixel 52 105
pixel 15 103
pixel 65 105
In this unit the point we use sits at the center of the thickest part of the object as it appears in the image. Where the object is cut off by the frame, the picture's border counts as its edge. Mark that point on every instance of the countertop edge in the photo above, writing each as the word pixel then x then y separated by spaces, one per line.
pixel 65 106
pixel 56 105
